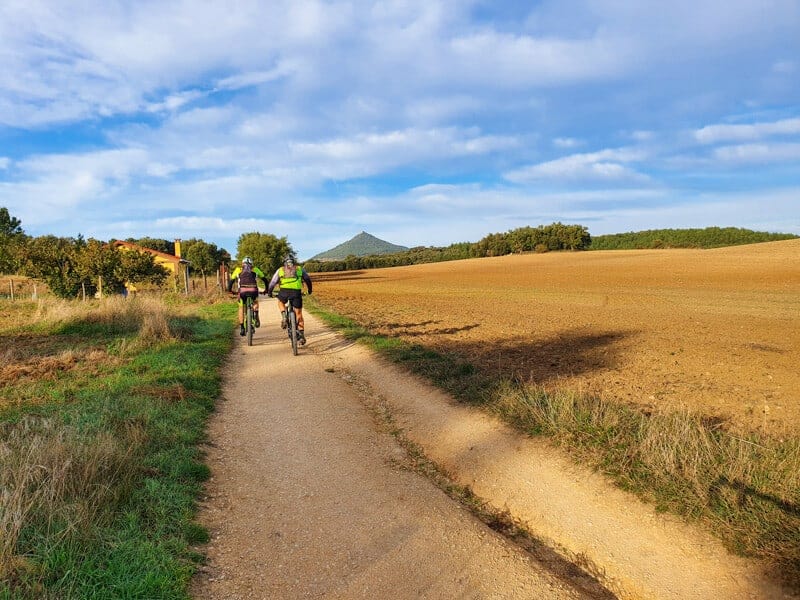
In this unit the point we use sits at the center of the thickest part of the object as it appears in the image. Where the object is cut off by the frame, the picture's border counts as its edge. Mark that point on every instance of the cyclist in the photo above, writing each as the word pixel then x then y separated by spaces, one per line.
pixel 246 275
pixel 290 278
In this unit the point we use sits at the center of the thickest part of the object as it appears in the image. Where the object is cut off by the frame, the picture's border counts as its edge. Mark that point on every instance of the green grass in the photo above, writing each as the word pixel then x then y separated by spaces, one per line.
pixel 103 461
pixel 744 488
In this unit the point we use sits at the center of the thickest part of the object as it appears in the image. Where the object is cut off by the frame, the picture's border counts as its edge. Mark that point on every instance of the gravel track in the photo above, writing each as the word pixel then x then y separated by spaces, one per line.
pixel 312 497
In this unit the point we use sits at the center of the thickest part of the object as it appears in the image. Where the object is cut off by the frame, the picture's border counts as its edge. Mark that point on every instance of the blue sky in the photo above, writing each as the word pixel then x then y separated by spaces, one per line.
pixel 421 122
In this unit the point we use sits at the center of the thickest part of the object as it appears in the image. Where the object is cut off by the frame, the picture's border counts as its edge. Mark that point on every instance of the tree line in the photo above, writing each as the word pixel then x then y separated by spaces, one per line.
pixel 71 266
pixel 544 238
pixel 709 237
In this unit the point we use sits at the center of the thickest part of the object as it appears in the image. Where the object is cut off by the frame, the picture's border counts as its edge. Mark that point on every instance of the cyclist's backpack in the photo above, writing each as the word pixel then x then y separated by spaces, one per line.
pixel 247 278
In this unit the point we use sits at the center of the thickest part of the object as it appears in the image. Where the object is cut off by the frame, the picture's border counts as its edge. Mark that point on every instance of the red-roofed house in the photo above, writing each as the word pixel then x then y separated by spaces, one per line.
pixel 174 263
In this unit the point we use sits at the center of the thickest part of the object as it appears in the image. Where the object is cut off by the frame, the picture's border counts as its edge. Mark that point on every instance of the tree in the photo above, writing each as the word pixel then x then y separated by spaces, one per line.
pixel 11 240
pixel 203 257
pixel 72 265
pixel 9 225
pixel 266 250
pixel 140 267
pixel 52 259
pixel 96 262
pixel 159 245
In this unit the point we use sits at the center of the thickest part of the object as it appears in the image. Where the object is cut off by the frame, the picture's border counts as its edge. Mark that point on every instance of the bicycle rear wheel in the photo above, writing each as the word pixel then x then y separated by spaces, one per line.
pixel 293 330
pixel 249 324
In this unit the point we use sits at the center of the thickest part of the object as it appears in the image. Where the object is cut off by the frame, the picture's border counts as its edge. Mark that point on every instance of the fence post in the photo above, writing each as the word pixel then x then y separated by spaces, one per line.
pixel 83 291
pixel 11 286
pixel 35 295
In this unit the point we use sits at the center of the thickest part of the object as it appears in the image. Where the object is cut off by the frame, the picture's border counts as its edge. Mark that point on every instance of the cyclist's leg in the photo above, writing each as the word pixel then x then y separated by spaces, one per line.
pixel 241 316
pixel 282 309
pixel 256 320
pixel 298 311
pixel 301 331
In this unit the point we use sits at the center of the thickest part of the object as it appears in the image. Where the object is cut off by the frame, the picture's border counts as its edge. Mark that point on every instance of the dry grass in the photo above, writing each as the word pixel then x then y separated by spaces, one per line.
pixel 746 487
pixel 55 475
pixel 62 336
pixel 146 315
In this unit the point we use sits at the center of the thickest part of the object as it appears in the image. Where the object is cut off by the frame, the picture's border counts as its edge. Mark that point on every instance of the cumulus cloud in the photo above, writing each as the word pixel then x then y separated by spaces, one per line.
pixel 606 165
pixel 367 154
pixel 758 153
pixel 519 60
pixel 712 134
pixel 565 142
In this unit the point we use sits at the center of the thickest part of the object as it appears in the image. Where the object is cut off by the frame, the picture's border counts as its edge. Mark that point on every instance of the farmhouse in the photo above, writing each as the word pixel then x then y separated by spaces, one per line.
pixel 179 267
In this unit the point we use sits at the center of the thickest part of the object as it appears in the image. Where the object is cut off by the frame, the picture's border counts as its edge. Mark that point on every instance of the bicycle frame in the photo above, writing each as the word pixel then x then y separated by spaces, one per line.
pixel 291 324
pixel 249 320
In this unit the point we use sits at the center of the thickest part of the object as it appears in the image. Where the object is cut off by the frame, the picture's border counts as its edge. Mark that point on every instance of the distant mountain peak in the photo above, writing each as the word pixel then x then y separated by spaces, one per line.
pixel 363 244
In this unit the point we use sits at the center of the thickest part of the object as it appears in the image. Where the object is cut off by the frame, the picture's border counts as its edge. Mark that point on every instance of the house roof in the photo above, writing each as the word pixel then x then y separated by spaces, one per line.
pixel 163 255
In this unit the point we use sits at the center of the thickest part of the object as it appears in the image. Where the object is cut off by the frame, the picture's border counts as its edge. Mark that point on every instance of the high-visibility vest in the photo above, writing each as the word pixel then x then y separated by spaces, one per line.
pixel 291 283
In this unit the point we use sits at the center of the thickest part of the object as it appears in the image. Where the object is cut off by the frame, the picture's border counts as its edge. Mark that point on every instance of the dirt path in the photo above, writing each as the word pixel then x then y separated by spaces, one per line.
pixel 310 497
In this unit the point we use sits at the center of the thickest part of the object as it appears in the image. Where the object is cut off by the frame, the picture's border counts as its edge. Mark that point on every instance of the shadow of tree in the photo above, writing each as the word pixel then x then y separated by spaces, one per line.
pixel 342 276
pixel 423 328
pixel 777 538
pixel 745 493
pixel 538 360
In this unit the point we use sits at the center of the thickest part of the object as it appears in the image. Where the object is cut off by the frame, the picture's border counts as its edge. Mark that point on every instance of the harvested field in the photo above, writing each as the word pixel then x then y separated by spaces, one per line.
pixel 717 331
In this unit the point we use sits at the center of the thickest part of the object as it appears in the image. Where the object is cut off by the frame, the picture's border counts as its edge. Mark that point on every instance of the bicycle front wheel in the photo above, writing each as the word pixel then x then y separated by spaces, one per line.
pixel 293 331
pixel 250 324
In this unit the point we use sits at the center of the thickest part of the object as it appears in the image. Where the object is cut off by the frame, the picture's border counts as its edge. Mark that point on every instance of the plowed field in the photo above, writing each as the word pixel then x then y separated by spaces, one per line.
pixel 717 331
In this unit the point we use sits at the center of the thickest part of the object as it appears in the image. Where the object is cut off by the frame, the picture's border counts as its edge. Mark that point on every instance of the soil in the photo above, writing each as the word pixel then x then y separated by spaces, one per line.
pixel 312 496
pixel 714 331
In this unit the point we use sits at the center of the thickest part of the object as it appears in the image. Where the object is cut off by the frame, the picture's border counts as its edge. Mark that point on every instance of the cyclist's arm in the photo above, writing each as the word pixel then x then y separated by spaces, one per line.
pixel 273 282
pixel 234 275
pixel 307 279
pixel 260 274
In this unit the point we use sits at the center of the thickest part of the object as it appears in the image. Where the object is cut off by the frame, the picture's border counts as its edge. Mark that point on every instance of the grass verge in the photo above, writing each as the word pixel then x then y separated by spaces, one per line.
pixel 743 488
pixel 105 404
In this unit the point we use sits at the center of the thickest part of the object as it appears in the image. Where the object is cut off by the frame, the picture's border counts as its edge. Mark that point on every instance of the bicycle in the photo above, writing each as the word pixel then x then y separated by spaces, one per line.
pixel 249 319
pixel 291 324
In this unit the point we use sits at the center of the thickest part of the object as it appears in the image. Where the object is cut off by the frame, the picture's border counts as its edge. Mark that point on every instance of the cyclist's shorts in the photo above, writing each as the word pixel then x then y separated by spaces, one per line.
pixel 248 294
pixel 295 295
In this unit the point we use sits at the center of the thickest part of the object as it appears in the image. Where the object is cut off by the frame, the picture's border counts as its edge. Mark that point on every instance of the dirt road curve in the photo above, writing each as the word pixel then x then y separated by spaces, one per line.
pixel 310 496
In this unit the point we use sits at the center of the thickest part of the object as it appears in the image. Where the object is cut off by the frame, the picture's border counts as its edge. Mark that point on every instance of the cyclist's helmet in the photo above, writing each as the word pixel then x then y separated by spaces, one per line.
pixel 289 261
pixel 247 261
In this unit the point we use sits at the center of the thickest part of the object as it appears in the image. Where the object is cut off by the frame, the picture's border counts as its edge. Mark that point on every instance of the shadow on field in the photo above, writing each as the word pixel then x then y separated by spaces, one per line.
pixel 424 328
pixel 745 493
pixel 537 361
pixel 342 276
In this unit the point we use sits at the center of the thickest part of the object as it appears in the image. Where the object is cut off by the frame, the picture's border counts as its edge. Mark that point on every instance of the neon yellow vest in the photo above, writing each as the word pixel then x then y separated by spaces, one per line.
pixel 291 283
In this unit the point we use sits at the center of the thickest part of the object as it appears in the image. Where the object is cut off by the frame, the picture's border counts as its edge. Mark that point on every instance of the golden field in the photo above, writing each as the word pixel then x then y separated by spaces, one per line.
pixel 717 331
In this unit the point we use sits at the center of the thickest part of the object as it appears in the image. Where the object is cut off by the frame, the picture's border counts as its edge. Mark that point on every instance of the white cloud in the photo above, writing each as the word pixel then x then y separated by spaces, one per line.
pixel 254 78
pixel 370 153
pixel 5 162
pixel 564 142
pixel 523 61
pixel 784 67
pixel 175 101
pixel 758 153
pixel 712 134
pixel 606 165
pixel 106 164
